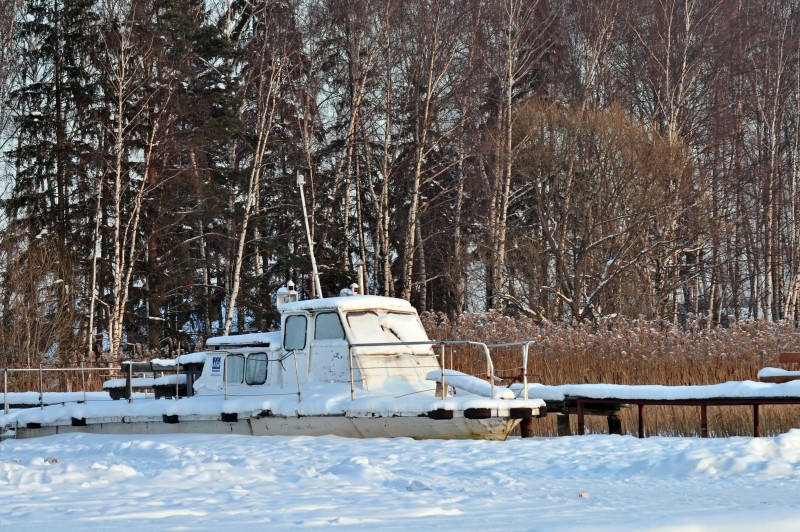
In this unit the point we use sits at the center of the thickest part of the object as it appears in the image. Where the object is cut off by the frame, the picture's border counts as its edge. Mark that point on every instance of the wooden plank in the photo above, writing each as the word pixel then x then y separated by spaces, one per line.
pixel 138 367
pixel 789 357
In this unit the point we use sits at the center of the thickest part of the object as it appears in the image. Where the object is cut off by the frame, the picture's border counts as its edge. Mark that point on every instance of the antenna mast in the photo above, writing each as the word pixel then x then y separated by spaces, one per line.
pixel 300 182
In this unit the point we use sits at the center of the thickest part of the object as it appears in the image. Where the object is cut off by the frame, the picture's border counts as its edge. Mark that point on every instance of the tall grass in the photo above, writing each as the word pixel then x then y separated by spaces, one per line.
pixel 635 352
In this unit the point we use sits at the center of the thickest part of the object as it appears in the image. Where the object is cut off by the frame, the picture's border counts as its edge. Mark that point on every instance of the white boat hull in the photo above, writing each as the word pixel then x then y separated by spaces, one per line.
pixel 417 427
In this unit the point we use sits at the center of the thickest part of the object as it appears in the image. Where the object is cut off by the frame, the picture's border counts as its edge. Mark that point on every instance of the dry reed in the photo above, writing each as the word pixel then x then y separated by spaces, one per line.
pixel 636 352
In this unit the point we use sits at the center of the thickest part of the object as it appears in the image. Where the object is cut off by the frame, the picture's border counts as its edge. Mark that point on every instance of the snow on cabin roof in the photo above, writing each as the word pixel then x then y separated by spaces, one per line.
pixel 257 338
pixel 346 303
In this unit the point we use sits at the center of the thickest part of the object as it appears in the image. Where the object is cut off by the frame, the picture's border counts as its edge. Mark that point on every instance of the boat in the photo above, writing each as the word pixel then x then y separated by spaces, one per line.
pixel 354 366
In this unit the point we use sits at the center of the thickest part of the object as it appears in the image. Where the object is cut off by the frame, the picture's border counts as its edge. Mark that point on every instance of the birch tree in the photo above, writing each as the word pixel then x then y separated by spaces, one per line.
pixel 669 67
pixel 618 207
pixel 9 11
pixel 131 63
pixel 268 62
pixel 360 29
pixel 432 48
pixel 517 41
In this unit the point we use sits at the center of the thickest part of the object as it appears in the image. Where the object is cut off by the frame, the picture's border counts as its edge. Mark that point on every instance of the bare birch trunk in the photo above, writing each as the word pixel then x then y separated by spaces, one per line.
pixel 127 217
pixel 267 87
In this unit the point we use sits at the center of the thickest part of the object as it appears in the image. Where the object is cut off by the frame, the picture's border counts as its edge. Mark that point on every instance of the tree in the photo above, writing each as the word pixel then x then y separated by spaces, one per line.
pixel 9 13
pixel 517 43
pixel 599 198
pixel 36 313
pixel 268 64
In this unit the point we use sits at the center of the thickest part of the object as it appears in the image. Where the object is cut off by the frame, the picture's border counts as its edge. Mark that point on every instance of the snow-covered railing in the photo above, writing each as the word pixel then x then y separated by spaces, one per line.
pixel 41 371
pixel 525 344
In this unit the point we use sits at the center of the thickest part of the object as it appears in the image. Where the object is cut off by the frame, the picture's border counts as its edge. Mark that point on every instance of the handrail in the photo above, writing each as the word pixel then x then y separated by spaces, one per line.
pixel 489 363
pixel 525 346
pixel 297 376
pixel 40 370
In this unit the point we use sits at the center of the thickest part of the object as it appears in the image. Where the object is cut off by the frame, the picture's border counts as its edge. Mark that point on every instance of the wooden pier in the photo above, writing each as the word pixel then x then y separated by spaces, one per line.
pixel 584 403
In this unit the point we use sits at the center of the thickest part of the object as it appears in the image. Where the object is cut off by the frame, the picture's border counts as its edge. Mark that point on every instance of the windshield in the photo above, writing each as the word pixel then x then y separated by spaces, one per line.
pixel 375 327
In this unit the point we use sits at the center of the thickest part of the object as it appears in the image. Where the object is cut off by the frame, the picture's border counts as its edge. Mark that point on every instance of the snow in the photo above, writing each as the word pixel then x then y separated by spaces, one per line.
pixel 208 482
pixel 258 338
pixel 364 302
pixel 469 383
pixel 777 372
pixel 322 398
pixel 743 389
pixel 136 382
pixel 49 398
pixel 170 379
pixel 318 398
pixel 188 358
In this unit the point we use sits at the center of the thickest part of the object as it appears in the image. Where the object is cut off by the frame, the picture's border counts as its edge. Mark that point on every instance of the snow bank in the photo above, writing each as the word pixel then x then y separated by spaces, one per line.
pixel 89 482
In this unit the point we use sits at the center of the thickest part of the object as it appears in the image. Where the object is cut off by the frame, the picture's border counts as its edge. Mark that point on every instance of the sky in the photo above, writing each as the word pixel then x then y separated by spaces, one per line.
pixel 241 483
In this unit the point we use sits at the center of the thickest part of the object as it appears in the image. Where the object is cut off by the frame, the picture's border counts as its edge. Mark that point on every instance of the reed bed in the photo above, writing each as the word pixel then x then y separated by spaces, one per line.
pixel 635 352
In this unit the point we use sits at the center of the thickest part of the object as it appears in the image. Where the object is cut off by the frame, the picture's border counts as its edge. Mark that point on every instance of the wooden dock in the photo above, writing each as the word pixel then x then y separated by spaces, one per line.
pixel 586 404
pixel 608 400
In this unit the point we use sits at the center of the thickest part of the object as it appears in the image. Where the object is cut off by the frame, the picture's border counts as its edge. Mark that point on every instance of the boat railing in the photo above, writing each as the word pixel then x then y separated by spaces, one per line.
pixel 41 371
pixel 443 345
pixel 525 345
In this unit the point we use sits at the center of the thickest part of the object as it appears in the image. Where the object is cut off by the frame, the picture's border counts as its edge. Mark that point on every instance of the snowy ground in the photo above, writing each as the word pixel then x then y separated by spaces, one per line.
pixel 201 482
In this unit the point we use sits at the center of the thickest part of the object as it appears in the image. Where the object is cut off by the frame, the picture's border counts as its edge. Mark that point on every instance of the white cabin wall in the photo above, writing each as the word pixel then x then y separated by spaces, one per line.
pixel 330 361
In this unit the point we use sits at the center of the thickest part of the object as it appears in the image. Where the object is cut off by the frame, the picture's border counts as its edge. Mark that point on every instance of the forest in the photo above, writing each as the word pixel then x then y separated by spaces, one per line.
pixel 564 161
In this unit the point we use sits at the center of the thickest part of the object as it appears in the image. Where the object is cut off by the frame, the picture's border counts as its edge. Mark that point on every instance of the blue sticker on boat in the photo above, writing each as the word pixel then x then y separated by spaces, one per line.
pixel 216 365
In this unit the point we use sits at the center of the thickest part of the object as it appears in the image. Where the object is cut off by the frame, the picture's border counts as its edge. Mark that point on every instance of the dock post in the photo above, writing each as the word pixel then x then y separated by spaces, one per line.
pixel 756 422
pixel 562 421
pixel 614 424
pixel 526 427
pixel 581 419
pixel 641 420
pixel 703 422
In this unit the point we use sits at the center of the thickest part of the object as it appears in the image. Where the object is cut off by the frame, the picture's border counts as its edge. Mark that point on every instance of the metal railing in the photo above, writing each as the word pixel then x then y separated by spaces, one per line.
pixel 41 370
pixel 443 344
pixel 525 358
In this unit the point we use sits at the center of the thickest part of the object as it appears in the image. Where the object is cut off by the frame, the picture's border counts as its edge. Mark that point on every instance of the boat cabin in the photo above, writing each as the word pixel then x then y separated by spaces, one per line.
pixel 375 342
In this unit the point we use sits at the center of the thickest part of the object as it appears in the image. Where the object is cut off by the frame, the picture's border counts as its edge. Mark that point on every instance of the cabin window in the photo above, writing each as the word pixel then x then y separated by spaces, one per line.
pixel 328 327
pixel 255 370
pixel 234 368
pixel 294 334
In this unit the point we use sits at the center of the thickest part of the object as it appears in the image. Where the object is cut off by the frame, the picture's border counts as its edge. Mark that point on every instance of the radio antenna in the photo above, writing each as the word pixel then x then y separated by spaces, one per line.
pixel 300 182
